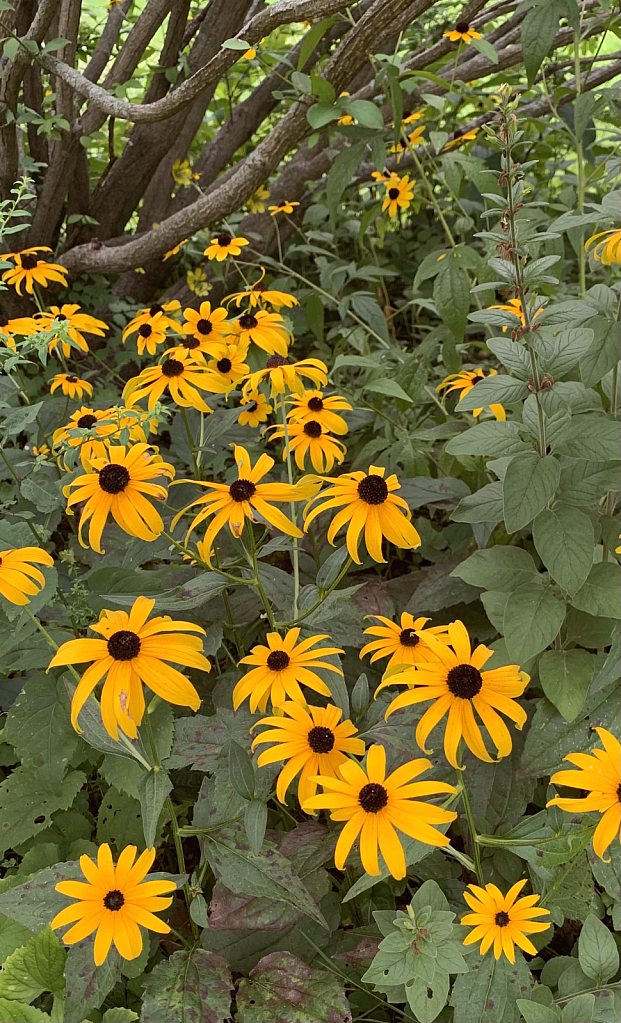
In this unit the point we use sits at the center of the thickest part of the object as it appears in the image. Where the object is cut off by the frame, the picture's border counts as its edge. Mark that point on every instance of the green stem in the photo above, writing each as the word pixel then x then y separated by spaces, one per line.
pixel 199 561
pixel 494 842
pixel 472 829
pixel 50 641
pixel 580 169
pixel 293 511
pixel 257 582
pixel 190 440
pixel 300 618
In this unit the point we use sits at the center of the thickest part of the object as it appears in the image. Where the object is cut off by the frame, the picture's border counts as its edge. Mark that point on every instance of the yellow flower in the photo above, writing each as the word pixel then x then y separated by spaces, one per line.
pixel 133 651
pixel 313 740
pixel 31 270
pixel 150 333
pixel 117 485
pixel 235 502
pixel 256 412
pixel 399 194
pixel 181 376
pixel 114 902
pixel 224 245
pixel 400 642
pixel 71 385
pixel 459 137
pixel 267 330
pixel 256 202
pixel 600 776
pixel 22 325
pixel 415 136
pixel 462 32
pixel 183 174
pixel 229 368
pixel 282 207
pixel 259 292
pixel 453 678
pixel 75 322
pixel 249 54
pixel 287 376
pixel 197 282
pixel 502 920
pixel 370 504
pixel 313 406
pixel 92 430
pixel 375 807
pixel 415 116
pixel 156 317
pixel 42 451
pixel 609 249
pixel 346 118
pixel 514 306
pixel 19 581
pixel 311 438
pixel 281 668
pixel 402 147
pixel 464 381
pixel 175 248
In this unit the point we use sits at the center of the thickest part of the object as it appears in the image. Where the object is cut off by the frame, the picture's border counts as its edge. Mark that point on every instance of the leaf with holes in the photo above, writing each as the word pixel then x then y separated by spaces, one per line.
pixel 26 805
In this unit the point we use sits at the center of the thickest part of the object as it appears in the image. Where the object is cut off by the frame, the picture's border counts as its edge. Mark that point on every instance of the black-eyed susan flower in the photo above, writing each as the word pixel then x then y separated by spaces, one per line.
pixel 400 641
pixel 608 249
pixel 312 405
pixel 206 324
pixel 116 486
pixel 30 270
pixel 229 368
pixel 464 381
pixel 313 741
pixel 462 32
pixel 414 116
pixel 286 376
pixel 191 347
pixel 370 505
pixel 376 807
pixel 150 332
pixel 75 323
pixel 115 902
pixel 514 306
pixel 181 377
pixel 92 430
pixel 502 920
pixel 157 312
pixel 402 146
pixel 133 651
pixel 399 194
pixel 256 410
pixel 599 774
pixel 282 207
pixel 71 385
pixel 259 293
pixel 460 136
pixel 175 249
pixel 19 580
pixel 311 438
pixel 256 202
pixel 239 500
pixel 250 54
pixel 21 325
pixel 456 682
pixel 267 330
pixel 224 245
pixel 281 668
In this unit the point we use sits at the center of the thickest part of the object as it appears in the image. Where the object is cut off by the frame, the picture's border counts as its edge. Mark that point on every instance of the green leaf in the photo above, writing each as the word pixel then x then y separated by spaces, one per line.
pixel 235 44
pixel 368 310
pixel 383 385
pixel 35 901
pixel 153 788
pixel 584 105
pixel 532 620
pixel 493 439
pixel 566 676
pixel 282 987
pixel 255 823
pixel 199 739
pixel 485 505
pixel 603 353
pixel 329 570
pixel 581 1009
pixel 600 593
pixel 26 805
pixel 17 1012
pixel 88 985
pixel 512 354
pixel 486 48
pixel 39 726
pixel 241 770
pixel 539 29
pixel 35 968
pixel 583 483
pixel 311 39
pixel 92 728
pixel 191 985
pixel 488 993
pixel 590 436
pixel 535 1012
pixel 16 419
pixel 451 294
pixel 529 485
pixel 564 350
pixel 341 175
pixel 597 951
pixel 365 112
pixel 12 934
pixel 119 821
pixel 321 114
pixel 44 493
pixel 119 1015
pixel 497 568
pixel 496 390
pixel 315 315
pixel 565 542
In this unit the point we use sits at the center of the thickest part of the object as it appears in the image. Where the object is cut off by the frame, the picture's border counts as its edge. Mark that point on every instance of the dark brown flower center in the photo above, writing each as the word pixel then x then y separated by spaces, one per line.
pixel 248 321
pixel 462 27
pixel 155 309
pixel 145 330
pixel 114 900
pixel 252 407
pixel 259 286
pixel 464 681
pixel 4 320
pixel 314 404
pixel 408 638
pixel 373 797
pixel 124 645
pixel 373 490
pixel 85 422
pixel 321 739
pixel 393 193
pixel 242 490
pixel 172 368
pixel 191 343
pixel 501 919
pixel 278 660
pixel 204 326
pixel 275 360
pixel 224 239
pixel 71 380
pixel 60 316
pixel 224 365
pixel 113 478
pixel 618 786
pixel 312 429
pixel 29 262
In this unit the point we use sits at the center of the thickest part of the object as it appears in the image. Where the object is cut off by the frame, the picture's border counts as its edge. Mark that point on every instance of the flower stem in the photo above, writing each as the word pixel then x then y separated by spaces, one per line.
pixel 257 582
pixel 190 441
pixel 476 851
pixel 293 512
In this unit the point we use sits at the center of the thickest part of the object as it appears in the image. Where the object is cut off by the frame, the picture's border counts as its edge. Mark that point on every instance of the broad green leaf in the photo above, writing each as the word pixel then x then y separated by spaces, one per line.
pixel 15 419
pixel 241 770
pixel 493 439
pixel 311 39
pixel 329 570
pixel 597 951
pixel 535 1012
pixel 368 310
pixel 485 505
pixel 321 114
pixel 590 436
pixel 282 987
pixel 603 353
pixel 496 390
pixel 38 725
pixel 512 354
pixel 583 483
pixel 564 350
pixel 119 821
pixel 35 901
pixel 584 105
pixel 191 985
pixel 199 739
pixel 532 620
pixel 581 1009
pixel 538 31
pixel 384 385
pixel 342 173
pixel 365 112
pixel 451 294
pixel 599 595
pixel 12 934
pixel 565 542
pixel 42 492
pixel 497 568
pixel 529 485
pixel 153 789
pixel 566 676
pixel 18 1012
pixel 488 993
pixel 255 823
pixel 486 48
pixel 26 805
pixel 35 968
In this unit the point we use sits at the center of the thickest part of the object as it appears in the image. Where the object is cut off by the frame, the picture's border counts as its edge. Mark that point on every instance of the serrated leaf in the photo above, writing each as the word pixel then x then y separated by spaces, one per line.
pixel 18 1012
pixel 35 968
pixel 194 986
pixel 535 1012
pixel 529 485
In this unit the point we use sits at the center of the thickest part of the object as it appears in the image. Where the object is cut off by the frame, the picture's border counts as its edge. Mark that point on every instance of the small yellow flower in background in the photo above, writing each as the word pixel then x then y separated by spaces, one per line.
pixel 266 330
pixel 235 502
pixel 181 376
pixel 282 207
pixel 287 376
pixel 183 173
pixel 311 438
pixel 608 250
pixel 71 385
pixel 462 32
pixel 31 270
pixel 600 776
pixel 76 324
pixel 313 740
pixel 346 118
pixel 115 902
pixel 175 249
pixel 370 504
pixel 281 668
pixel 416 135
pixel 464 382
pixel 133 651
pixel 224 245
pixel 116 485
pixel 42 451
pixel 502 920
pixel 461 136
pixel 249 54
pixel 258 292
pixel 514 306
pixel 155 313
pixel 19 581
pixel 198 282
pixel 376 807
pixel 454 679
pixel 256 410
pixel 415 116
pixel 22 325
pixel 400 641
pixel 399 194
pixel 229 368
pixel 256 202
pixel 313 406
